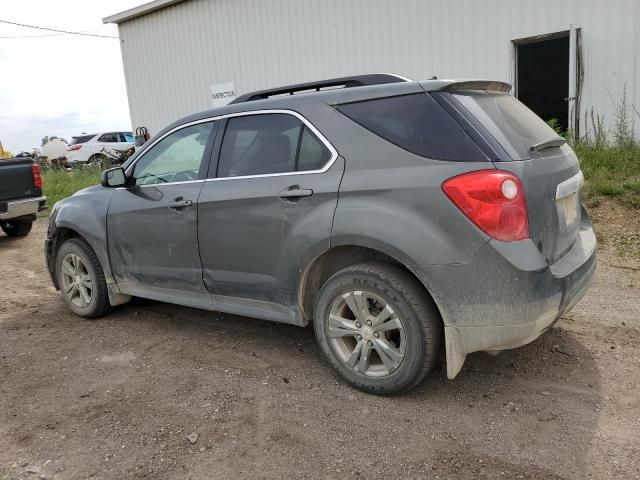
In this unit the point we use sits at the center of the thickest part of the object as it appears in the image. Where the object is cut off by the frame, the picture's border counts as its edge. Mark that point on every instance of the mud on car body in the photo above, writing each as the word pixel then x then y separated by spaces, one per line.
pixel 398 217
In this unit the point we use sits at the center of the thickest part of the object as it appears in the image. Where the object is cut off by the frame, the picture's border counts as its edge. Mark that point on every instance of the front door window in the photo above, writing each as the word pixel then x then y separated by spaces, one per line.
pixel 175 158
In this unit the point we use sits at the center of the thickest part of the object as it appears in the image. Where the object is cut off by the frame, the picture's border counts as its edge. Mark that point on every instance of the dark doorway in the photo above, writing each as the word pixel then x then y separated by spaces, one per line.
pixel 543 77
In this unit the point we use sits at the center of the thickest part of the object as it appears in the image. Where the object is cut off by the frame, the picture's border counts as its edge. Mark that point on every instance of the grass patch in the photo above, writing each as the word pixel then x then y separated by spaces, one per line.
pixel 613 171
pixel 633 186
pixel 59 183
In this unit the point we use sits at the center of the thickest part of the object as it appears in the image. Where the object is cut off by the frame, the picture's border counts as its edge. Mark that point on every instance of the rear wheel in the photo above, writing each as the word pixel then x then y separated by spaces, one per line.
pixel 16 228
pixel 81 279
pixel 98 159
pixel 377 327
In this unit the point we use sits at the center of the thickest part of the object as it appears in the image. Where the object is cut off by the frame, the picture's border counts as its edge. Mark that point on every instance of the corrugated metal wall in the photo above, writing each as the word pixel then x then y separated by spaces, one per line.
pixel 173 56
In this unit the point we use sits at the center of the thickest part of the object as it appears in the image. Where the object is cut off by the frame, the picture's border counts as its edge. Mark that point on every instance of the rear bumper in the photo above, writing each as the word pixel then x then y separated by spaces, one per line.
pixel 507 296
pixel 21 208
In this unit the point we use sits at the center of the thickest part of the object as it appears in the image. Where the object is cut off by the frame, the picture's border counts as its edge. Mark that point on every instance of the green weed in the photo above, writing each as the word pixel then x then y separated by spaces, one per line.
pixel 59 183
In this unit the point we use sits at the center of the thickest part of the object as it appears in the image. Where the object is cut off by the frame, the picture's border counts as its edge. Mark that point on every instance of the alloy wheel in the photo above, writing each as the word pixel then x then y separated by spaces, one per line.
pixel 76 281
pixel 366 333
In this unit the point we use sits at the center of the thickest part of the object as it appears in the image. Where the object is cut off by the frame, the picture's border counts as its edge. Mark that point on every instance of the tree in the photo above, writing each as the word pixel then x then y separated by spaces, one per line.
pixel 46 139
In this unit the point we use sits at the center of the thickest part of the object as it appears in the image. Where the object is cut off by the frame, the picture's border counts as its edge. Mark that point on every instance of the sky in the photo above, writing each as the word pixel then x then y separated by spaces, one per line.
pixel 60 85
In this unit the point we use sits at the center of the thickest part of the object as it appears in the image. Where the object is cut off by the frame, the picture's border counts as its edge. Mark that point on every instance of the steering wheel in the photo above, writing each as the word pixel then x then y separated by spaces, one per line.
pixel 183 176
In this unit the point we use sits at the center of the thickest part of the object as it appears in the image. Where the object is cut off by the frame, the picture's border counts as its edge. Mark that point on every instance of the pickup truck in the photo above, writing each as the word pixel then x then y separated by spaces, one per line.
pixel 21 195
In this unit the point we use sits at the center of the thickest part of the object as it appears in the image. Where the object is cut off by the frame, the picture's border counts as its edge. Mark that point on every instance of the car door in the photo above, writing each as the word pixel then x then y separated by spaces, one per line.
pixel 152 224
pixel 269 209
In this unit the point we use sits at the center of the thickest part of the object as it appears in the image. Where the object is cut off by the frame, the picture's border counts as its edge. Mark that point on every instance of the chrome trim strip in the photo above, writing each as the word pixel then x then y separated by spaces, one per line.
pixel 316 132
pixel 570 186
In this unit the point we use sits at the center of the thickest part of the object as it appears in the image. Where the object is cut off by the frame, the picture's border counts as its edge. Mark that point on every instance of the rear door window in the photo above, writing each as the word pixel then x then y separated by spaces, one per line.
pixel 81 139
pixel 415 123
pixel 512 124
pixel 313 154
pixel 271 143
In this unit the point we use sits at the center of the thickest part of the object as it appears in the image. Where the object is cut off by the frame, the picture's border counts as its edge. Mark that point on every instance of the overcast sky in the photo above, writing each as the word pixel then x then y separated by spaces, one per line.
pixel 60 85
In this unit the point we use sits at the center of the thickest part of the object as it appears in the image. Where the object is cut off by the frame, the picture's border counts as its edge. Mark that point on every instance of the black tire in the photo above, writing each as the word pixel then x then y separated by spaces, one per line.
pixel 99 303
pixel 16 228
pixel 421 322
pixel 99 160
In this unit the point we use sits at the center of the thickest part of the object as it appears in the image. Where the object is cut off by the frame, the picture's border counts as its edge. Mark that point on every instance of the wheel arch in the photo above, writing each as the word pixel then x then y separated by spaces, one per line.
pixel 57 239
pixel 322 267
pixel 96 156
pixel 61 233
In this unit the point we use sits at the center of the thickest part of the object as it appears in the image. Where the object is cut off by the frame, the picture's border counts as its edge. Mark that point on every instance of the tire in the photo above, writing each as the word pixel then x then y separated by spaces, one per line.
pixel 78 255
pixel 412 333
pixel 99 160
pixel 16 228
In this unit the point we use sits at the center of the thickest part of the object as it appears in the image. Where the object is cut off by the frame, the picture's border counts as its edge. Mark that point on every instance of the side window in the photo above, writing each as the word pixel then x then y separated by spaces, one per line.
pixel 313 153
pixel 175 158
pixel 259 144
pixel 415 123
pixel 126 137
pixel 109 138
pixel 269 143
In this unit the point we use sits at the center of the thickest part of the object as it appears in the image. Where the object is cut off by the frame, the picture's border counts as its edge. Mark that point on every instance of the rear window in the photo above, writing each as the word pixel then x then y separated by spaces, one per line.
pixel 512 124
pixel 81 139
pixel 415 123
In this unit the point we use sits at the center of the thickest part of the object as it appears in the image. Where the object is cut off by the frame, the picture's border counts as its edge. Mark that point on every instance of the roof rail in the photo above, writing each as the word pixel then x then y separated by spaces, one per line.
pixel 344 82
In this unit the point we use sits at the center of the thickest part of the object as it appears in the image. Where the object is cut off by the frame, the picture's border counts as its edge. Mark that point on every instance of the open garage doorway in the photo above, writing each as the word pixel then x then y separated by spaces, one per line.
pixel 545 70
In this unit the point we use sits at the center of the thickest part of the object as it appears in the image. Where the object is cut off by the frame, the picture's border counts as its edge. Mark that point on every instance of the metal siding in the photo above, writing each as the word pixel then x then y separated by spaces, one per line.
pixel 172 56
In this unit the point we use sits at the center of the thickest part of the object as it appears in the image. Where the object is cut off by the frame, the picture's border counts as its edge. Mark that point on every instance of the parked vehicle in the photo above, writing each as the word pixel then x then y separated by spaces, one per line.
pixel 20 195
pixel 87 149
pixel 395 215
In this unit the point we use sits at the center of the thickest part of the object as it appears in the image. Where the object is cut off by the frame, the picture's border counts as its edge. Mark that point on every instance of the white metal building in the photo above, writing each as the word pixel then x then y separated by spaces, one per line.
pixel 562 56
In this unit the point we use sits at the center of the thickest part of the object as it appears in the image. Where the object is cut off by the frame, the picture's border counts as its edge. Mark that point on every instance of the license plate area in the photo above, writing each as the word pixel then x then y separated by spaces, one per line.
pixel 569 211
pixel 568 207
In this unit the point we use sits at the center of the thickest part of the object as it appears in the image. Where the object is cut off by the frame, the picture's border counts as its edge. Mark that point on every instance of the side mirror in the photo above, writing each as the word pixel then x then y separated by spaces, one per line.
pixel 114 177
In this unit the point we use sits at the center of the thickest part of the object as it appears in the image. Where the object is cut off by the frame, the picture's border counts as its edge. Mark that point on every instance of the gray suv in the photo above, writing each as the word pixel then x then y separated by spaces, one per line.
pixel 398 217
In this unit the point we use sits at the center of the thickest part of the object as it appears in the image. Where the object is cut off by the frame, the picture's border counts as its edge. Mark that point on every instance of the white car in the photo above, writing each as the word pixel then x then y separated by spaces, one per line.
pixel 85 149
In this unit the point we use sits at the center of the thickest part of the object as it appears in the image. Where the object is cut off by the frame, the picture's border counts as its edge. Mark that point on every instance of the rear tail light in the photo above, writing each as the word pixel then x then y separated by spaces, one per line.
pixel 74 147
pixel 493 201
pixel 37 178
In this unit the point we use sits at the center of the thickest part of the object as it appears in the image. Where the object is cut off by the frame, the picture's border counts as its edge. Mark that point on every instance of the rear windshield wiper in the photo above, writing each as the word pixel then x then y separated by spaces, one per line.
pixel 551 142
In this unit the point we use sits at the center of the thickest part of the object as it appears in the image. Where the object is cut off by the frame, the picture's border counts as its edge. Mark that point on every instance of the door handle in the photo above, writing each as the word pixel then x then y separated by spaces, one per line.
pixel 295 191
pixel 178 204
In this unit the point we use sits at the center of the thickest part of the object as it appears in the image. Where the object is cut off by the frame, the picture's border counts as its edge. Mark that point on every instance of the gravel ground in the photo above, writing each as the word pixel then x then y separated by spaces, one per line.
pixel 159 391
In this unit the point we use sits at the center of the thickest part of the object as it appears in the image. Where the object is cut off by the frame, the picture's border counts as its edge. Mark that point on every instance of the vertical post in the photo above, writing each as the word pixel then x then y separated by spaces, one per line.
pixel 573 87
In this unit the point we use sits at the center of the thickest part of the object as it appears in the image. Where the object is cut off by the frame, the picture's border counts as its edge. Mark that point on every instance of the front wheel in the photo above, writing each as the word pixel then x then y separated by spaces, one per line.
pixel 377 327
pixel 16 228
pixel 81 279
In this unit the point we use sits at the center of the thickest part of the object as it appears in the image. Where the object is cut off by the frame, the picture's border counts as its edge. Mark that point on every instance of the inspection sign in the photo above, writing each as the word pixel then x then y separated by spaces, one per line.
pixel 222 93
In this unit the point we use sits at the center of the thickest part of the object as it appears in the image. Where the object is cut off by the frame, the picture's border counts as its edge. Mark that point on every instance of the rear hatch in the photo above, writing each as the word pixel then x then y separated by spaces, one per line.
pixel 16 180
pixel 547 167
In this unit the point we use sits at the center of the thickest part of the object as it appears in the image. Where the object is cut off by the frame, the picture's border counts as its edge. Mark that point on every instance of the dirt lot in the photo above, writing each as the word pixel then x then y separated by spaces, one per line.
pixel 117 397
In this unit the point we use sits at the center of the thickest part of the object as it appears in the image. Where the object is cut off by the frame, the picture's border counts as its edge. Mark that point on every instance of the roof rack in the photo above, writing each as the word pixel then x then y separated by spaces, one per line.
pixel 343 82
